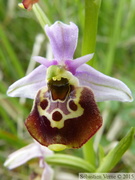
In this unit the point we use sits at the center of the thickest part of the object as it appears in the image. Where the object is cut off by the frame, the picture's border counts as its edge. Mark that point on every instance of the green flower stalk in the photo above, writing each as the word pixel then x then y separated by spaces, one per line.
pixel 89 43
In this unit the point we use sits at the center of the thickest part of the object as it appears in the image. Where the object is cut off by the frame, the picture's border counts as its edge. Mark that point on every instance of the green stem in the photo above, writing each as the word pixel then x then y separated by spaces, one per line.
pixel 115 36
pixel 90 26
pixel 89 44
pixel 42 18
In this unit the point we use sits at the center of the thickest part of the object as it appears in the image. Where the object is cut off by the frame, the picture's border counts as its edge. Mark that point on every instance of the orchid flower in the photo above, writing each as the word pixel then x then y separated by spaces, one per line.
pixel 29 3
pixel 29 152
pixel 65 92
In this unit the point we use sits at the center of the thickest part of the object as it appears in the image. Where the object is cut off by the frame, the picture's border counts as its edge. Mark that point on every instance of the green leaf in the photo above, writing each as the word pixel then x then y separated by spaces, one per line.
pixel 113 157
pixel 101 154
pixel 70 161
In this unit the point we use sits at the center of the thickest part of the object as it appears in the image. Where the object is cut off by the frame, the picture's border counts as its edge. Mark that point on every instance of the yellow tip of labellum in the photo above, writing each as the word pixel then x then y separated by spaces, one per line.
pixel 57 147
pixel 21 5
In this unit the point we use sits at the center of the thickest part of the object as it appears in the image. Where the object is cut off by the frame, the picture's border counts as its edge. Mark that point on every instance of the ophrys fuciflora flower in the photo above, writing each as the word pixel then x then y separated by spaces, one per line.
pixel 65 92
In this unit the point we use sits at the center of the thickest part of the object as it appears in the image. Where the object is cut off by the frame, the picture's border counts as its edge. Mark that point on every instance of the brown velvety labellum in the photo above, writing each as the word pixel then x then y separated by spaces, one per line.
pixel 75 131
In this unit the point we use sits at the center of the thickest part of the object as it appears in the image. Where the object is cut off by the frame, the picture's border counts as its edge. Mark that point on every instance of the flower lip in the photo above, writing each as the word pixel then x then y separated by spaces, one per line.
pixel 60 123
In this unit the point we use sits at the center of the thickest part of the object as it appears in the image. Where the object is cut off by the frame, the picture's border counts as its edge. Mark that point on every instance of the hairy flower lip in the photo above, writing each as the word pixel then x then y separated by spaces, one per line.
pixel 75 126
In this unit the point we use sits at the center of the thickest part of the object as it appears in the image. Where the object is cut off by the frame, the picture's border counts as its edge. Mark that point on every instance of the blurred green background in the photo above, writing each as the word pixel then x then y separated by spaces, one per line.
pixel 115 56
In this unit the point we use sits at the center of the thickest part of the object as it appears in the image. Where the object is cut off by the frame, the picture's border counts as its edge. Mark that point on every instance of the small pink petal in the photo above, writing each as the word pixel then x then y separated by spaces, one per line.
pixel 44 61
pixel 72 65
